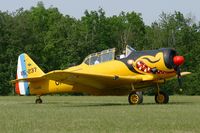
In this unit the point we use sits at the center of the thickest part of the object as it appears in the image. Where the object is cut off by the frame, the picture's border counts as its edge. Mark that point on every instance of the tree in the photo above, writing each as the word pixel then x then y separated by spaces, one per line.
pixel 6 68
pixel 55 41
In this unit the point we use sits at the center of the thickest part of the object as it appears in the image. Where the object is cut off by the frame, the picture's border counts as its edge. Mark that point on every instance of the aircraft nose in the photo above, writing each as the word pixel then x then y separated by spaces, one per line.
pixel 168 55
pixel 178 60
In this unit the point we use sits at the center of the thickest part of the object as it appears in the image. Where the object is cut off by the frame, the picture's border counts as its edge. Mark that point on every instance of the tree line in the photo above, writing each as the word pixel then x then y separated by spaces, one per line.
pixel 57 41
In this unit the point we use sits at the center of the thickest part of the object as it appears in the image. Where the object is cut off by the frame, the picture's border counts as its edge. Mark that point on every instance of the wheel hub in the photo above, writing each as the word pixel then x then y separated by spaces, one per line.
pixel 160 98
pixel 134 98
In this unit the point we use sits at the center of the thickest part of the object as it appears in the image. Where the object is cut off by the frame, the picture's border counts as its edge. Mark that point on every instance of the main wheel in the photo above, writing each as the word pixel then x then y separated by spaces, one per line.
pixel 135 98
pixel 38 101
pixel 161 98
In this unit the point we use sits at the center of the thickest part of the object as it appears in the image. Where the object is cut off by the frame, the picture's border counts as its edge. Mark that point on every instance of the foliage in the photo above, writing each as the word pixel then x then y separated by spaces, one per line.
pixel 56 41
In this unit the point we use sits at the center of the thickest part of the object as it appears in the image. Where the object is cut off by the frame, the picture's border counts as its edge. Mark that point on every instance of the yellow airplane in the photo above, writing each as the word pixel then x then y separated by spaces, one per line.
pixel 104 74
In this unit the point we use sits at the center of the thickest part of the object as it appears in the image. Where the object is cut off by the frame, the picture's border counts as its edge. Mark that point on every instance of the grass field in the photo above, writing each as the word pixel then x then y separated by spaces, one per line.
pixel 88 114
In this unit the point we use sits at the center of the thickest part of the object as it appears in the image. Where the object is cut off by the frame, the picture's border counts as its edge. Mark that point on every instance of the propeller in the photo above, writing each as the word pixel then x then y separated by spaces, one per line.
pixel 178 72
pixel 178 60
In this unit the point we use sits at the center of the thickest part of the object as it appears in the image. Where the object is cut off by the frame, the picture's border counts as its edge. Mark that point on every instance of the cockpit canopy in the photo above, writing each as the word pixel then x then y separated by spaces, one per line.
pixel 129 50
pixel 99 57
pixel 105 55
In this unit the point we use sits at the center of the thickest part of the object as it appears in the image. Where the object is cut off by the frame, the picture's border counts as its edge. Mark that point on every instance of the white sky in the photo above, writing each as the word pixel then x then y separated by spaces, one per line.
pixel 150 9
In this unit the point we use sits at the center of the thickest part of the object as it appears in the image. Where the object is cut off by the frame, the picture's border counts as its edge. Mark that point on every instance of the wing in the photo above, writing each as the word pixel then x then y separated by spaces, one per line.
pixel 182 75
pixel 94 80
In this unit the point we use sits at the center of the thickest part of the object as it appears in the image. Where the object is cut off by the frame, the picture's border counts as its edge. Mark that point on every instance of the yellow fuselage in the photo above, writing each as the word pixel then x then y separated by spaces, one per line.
pixel 113 67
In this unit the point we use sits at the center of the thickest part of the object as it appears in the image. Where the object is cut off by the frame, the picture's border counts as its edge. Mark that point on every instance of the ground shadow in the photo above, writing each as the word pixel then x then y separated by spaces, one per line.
pixel 96 104
pixel 124 104
pixel 181 103
pixel 71 104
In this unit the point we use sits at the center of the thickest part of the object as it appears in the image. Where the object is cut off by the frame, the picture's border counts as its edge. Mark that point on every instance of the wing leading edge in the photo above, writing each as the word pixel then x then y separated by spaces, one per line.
pixel 96 80
pixel 91 79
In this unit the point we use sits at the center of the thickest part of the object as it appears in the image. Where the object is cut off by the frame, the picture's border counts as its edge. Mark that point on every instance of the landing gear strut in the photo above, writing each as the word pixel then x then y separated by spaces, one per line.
pixel 161 97
pixel 135 98
pixel 38 100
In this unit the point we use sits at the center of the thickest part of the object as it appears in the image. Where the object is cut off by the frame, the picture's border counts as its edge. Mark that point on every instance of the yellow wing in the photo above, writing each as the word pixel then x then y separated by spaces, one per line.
pixel 182 74
pixel 94 80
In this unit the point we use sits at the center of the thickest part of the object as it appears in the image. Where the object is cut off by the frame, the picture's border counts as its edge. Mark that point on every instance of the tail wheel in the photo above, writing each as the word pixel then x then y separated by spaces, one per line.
pixel 162 98
pixel 38 101
pixel 135 98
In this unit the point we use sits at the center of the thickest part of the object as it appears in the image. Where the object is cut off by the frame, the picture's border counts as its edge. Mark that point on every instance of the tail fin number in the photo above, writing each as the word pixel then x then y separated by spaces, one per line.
pixel 28 71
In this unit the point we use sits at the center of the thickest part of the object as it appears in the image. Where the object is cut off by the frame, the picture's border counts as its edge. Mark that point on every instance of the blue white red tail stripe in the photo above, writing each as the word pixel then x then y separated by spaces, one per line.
pixel 22 73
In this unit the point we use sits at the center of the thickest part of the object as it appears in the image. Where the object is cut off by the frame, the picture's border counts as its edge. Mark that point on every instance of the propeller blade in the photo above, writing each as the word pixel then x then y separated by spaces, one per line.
pixel 180 81
pixel 178 72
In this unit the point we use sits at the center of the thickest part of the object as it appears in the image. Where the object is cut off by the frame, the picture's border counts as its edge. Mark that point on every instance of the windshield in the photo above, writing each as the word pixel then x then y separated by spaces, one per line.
pixel 129 49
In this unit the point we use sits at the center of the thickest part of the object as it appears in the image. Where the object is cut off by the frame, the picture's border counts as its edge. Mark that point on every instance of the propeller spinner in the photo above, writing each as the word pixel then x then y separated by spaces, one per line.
pixel 178 60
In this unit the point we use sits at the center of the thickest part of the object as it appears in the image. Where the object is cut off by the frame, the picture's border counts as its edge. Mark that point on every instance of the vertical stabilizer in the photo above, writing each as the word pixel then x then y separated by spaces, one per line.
pixel 26 68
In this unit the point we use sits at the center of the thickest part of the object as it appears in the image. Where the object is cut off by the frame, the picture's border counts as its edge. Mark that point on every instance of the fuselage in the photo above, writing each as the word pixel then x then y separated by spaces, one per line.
pixel 138 63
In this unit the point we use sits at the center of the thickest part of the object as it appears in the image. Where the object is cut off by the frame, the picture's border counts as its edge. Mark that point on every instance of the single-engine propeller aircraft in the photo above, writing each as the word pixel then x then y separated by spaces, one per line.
pixel 104 74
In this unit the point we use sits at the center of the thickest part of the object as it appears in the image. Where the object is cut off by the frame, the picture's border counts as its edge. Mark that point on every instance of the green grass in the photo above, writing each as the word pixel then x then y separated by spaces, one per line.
pixel 89 114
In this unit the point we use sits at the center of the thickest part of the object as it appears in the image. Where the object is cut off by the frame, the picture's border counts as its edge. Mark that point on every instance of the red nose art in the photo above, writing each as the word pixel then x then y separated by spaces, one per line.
pixel 178 60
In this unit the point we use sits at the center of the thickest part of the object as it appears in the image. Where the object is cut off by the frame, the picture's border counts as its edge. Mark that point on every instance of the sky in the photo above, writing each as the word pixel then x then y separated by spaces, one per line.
pixel 150 9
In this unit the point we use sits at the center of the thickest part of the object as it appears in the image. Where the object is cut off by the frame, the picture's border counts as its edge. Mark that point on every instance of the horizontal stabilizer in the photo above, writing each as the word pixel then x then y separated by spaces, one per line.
pixel 33 79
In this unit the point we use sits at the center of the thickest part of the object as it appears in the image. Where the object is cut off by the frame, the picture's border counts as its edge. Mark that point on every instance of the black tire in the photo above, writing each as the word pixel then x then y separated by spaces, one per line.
pixel 161 98
pixel 135 98
pixel 38 101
